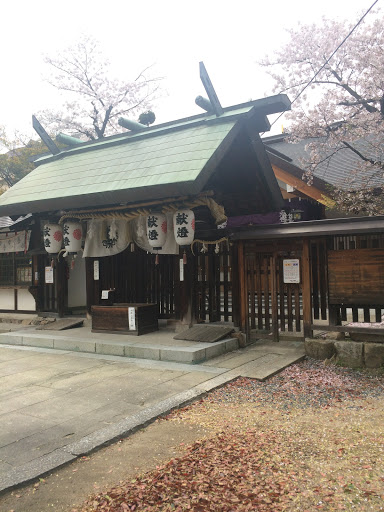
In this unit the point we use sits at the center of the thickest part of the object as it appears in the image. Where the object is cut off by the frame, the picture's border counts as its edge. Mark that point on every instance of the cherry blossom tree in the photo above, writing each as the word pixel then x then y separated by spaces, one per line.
pixel 93 98
pixel 342 110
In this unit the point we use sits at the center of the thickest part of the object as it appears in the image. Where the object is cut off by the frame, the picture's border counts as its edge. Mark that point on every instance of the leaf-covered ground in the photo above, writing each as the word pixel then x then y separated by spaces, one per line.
pixel 310 438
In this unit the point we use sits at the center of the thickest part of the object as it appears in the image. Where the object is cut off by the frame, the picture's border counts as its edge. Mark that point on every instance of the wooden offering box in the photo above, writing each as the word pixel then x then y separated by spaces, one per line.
pixel 133 319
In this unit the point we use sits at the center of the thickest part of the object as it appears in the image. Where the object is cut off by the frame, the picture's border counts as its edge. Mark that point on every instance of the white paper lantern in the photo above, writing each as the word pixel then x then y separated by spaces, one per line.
pixel 184 226
pixel 157 230
pixel 53 237
pixel 73 234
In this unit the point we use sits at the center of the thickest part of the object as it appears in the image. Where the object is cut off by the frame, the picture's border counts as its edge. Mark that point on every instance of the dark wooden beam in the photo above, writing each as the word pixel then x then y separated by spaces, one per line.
pixel 306 288
pixel 274 285
pixel 89 284
pixel 60 286
pixel 187 312
pixel 266 171
pixel 313 228
pixel 243 290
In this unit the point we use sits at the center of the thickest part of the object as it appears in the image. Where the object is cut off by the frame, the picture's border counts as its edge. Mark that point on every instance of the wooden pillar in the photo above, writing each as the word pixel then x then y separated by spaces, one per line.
pixel 91 285
pixel 60 286
pixel 274 288
pixel 243 292
pixel 141 261
pixel 307 289
pixel 37 287
pixel 235 284
pixel 38 278
pixel 187 310
pixel 212 299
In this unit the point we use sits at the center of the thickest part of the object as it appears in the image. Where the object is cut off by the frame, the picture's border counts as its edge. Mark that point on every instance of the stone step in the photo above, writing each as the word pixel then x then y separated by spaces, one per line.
pixel 192 354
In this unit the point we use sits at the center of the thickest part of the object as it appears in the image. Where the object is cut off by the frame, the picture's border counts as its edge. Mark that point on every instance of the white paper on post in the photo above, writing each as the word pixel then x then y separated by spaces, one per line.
pixel 48 274
pixel 131 319
pixel 291 271
pixel 96 270
pixel 104 294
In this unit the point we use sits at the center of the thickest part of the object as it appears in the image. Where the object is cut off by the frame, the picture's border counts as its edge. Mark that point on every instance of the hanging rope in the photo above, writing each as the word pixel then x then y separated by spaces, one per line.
pixel 217 211
pixel 208 242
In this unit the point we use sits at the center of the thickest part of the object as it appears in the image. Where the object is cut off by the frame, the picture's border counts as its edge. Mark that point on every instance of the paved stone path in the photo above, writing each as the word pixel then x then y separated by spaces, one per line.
pixel 56 405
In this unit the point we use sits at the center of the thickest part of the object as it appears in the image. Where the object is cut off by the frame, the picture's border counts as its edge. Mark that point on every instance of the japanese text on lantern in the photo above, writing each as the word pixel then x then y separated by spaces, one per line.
pixel 182 218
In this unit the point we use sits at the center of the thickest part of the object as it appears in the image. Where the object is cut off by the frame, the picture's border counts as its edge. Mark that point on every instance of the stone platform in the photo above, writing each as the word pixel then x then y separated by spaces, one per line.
pixel 157 346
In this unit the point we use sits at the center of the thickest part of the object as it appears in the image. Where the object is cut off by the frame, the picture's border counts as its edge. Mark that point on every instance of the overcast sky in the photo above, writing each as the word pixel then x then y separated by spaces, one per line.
pixel 230 37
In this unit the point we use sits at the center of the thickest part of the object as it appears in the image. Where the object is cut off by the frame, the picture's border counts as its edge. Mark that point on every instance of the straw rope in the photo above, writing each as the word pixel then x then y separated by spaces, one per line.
pixel 118 213
pixel 208 242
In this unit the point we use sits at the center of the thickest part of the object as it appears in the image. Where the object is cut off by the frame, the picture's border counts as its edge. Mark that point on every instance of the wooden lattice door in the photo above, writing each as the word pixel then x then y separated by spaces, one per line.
pixel 261 292
pixel 272 305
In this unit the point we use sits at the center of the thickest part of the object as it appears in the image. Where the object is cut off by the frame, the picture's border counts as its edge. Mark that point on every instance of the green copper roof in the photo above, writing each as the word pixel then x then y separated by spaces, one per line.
pixel 166 160
pixel 172 161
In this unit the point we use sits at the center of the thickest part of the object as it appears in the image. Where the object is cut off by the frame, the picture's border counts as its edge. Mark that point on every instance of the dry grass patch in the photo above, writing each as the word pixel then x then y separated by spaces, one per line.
pixel 309 439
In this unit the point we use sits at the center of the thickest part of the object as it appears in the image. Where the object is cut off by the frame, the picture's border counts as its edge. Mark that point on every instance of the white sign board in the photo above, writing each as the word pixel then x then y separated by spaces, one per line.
pixel 131 319
pixel 291 271
pixel 181 270
pixel 104 294
pixel 96 270
pixel 48 274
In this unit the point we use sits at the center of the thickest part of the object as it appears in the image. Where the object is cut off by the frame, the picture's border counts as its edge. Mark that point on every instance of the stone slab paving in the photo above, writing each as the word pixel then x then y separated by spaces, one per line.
pixel 159 345
pixel 57 405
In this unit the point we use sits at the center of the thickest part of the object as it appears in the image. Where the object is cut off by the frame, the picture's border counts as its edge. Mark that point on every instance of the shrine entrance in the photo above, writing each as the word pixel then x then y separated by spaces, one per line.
pixel 284 286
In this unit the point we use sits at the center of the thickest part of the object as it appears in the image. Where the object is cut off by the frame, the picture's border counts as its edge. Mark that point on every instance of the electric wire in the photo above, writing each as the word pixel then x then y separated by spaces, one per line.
pixel 327 60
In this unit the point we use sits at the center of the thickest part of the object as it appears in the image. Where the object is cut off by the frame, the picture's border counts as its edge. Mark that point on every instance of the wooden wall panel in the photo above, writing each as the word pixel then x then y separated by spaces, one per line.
pixel 356 276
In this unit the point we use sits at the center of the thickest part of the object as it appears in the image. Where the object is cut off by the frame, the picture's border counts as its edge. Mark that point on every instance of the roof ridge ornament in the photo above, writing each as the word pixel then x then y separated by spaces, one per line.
pixel 132 125
pixel 44 136
pixel 213 99
pixel 68 140
pixel 204 103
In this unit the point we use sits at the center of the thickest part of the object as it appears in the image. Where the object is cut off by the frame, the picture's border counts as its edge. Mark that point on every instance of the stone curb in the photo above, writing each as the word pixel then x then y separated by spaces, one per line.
pixel 34 469
pixel 47 463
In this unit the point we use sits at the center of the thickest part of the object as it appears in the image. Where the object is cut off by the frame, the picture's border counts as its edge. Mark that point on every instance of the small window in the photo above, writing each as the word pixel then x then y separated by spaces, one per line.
pixel 7 269
pixel 24 275
pixel 15 269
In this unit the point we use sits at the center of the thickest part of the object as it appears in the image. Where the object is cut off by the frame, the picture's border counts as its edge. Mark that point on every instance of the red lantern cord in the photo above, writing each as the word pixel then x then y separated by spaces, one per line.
pixel 72 264
pixel 157 259
pixel 184 257
pixel 52 263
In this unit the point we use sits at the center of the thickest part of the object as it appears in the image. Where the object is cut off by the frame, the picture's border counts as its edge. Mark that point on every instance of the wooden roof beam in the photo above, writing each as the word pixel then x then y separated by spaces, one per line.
pixel 301 186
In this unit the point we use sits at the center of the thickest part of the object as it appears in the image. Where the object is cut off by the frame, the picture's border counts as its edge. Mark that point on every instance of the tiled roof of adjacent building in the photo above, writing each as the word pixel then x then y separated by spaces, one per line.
pixel 337 171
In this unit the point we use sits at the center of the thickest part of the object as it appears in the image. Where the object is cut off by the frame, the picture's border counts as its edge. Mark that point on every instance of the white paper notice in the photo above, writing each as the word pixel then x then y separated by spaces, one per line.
pixel 181 270
pixel 131 319
pixel 48 274
pixel 104 294
pixel 291 271
pixel 96 270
